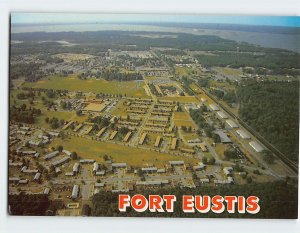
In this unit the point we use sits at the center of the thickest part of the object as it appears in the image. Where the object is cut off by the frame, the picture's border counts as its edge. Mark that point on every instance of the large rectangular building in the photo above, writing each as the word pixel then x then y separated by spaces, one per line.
pixel 142 139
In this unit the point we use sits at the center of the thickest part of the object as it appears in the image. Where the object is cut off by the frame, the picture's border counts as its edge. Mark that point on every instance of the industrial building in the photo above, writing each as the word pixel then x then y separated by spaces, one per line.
pixel 256 146
pixel 243 134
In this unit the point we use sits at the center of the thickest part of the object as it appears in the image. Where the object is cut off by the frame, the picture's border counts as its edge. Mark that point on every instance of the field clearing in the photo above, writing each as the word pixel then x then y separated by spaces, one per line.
pixel 183 71
pixel 181 99
pixel 230 71
pixel 90 149
pixel 72 83
pixel 59 115
pixel 69 57
pixel 183 119
pixel 120 109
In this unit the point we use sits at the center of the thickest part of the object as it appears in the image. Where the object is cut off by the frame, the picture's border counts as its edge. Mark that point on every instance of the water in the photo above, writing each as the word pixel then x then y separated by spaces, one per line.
pixel 265 39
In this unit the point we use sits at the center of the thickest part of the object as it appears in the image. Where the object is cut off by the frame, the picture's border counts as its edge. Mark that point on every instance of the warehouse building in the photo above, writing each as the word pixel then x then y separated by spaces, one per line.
pixel 214 107
pixel 242 134
pixel 256 146
pixel 222 115
pixel 231 124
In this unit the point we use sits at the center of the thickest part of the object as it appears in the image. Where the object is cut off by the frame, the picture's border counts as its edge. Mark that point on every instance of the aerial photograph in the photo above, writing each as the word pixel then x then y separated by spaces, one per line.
pixel 108 104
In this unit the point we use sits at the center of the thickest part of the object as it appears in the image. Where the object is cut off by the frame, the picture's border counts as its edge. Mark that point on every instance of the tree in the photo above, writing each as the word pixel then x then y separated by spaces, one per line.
pixel 268 156
pixel 74 155
pixel 78 112
pixel 60 148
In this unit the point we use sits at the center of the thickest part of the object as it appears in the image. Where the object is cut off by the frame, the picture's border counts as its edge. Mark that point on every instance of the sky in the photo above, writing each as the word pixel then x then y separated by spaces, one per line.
pixel 26 18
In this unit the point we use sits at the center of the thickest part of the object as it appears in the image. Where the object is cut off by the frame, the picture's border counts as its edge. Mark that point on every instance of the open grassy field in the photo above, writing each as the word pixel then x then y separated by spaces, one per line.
pixel 181 99
pixel 69 57
pixel 183 71
pixel 72 83
pixel 183 119
pixel 90 149
pixel 230 71
pixel 59 115
pixel 120 109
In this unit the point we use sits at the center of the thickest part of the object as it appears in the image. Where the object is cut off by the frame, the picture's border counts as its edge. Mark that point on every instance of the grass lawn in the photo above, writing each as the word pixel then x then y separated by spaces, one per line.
pixel 72 83
pixel 183 119
pixel 90 149
pixel 59 115
pixel 181 99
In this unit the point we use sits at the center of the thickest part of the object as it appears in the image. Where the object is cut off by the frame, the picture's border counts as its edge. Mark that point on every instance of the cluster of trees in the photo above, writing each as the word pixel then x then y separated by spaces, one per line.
pixel 50 59
pixel 186 85
pixel 24 114
pixel 272 61
pixel 277 200
pixel 54 122
pixel 272 109
pixel 204 82
pixel 65 105
pixel 25 95
pixel 100 121
pixel 197 116
pixel 229 96
pixel 230 154
pixel 28 205
pixel 31 71
pixel 113 74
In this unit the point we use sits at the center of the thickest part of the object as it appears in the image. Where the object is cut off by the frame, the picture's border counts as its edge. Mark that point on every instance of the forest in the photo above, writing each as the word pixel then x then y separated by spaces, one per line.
pixel 272 109
pixel 281 203
pixel 28 205
pixel 271 61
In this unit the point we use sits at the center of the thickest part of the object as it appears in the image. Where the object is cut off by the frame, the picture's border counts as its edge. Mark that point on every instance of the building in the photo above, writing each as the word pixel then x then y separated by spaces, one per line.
pixel 242 134
pixel 112 136
pixel 46 191
pixel 222 115
pixel 23 181
pixel 256 146
pixel 118 165
pixel 75 191
pixel 142 139
pixel 223 136
pixel 199 167
pixel 176 163
pixel 214 107
pixel 173 143
pixel 231 124
pixel 95 167
pixel 76 168
pixel 37 176
pixel 51 155
pixel 203 147
pixel 227 170
pixel 61 161
pixel 84 161
pixel 127 136
pixel 186 150
pixel 149 169
pixel 99 134
pixel 157 141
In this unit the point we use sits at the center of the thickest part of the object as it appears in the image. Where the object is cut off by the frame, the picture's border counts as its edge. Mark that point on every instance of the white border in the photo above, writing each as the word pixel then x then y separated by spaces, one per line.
pixel 10 224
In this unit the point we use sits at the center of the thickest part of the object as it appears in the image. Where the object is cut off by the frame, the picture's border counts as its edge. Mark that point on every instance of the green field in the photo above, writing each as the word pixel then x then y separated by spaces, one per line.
pixel 181 99
pixel 72 83
pixel 91 149
pixel 59 115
